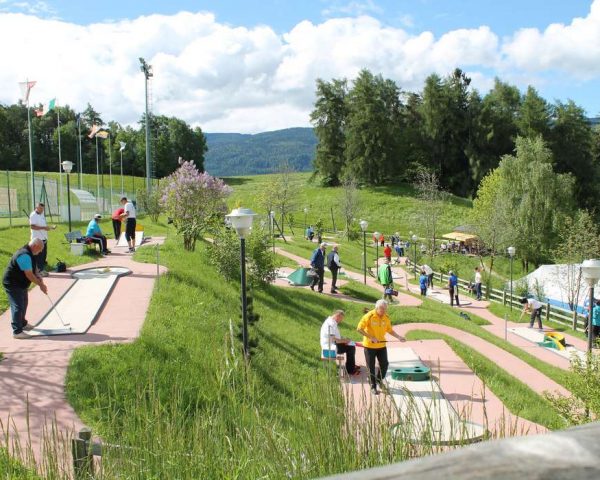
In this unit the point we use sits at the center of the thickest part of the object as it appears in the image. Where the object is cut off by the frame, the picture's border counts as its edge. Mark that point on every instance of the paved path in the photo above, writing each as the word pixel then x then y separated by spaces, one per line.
pixel 497 327
pixel 403 299
pixel 32 374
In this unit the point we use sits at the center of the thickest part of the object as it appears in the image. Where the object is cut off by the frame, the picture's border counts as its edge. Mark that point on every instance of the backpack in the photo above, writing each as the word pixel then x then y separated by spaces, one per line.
pixel 330 263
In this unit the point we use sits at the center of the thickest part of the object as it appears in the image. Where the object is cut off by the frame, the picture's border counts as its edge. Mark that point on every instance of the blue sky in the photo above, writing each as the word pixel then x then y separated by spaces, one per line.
pixel 233 65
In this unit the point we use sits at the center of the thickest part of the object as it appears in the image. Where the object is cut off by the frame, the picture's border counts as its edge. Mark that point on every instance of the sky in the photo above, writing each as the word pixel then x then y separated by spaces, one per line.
pixel 251 66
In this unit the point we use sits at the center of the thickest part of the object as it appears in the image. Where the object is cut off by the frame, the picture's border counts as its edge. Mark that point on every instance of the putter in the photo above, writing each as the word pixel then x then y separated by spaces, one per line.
pixel 59 315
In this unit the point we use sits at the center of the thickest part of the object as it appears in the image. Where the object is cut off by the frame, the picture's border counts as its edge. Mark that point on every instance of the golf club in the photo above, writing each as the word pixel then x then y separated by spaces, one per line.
pixel 59 316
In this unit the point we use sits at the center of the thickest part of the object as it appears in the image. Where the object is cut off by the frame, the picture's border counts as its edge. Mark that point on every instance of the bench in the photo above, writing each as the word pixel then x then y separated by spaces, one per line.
pixel 333 356
pixel 77 237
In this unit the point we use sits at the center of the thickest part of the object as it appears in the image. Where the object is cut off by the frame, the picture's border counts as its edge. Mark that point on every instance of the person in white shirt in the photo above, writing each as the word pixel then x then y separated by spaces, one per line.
pixel 39 229
pixel 478 283
pixel 331 340
pixel 130 222
pixel 535 308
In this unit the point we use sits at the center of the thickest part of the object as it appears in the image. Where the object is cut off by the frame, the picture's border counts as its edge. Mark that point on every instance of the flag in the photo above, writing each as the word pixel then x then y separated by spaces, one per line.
pixel 25 89
pixel 50 106
pixel 123 145
pixel 94 131
pixel 102 134
pixel 39 112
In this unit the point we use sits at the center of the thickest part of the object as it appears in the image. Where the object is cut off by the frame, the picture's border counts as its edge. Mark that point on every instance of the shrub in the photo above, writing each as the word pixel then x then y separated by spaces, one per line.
pixel 149 202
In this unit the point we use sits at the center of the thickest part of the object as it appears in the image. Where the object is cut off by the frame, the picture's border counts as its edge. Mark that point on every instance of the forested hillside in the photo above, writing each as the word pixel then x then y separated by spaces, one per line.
pixel 238 154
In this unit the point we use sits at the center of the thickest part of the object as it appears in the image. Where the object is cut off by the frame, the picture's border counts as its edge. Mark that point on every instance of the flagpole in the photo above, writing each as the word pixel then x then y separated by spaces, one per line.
pixel 97 174
pixel 122 190
pixel 60 170
pixel 110 172
pixel 80 152
pixel 30 149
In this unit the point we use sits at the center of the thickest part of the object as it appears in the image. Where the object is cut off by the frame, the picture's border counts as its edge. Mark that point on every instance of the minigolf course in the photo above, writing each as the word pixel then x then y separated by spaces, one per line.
pixel 77 309
pixel 552 341
pixel 421 403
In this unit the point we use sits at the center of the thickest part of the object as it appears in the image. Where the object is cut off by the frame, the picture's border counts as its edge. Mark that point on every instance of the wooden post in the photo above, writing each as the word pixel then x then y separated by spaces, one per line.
pixel 83 461
pixel 575 320
pixel 503 297
pixel 547 312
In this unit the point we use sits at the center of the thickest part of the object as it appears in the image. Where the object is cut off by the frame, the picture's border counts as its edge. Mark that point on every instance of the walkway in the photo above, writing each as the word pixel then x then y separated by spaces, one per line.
pixel 32 373
pixel 403 299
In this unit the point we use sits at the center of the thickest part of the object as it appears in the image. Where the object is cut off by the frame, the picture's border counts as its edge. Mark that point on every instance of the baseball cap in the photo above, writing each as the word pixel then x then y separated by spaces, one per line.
pixel 97 216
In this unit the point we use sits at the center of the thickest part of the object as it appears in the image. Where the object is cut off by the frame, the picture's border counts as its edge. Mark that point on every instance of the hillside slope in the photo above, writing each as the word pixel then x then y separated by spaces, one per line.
pixel 241 154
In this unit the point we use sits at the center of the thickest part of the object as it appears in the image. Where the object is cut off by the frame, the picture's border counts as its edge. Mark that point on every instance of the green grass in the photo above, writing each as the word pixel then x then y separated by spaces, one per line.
pixel 13 470
pixel 178 389
pixel 388 209
pixel 360 291
pixel 518 398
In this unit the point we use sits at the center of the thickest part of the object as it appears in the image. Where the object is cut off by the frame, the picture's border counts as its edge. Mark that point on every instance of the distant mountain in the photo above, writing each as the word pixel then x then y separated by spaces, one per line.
pixel 240 154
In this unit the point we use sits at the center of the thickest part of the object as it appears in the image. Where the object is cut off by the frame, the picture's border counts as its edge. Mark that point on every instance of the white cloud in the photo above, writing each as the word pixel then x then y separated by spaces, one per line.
pixel 573 49
pixel 227 78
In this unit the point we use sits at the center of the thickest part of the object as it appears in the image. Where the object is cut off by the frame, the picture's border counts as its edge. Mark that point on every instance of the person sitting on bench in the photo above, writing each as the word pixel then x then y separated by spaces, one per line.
pixel 332 341
pixel 94 233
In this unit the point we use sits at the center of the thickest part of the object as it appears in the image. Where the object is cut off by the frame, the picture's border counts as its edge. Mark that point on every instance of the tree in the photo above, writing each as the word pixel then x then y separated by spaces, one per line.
pixel 578 239
pixel 329 119
pixel 350 203
pixel 280 193
pixel 431 204
pixel 535 198
pixel 571 143
pixel 193 199
pixel 490 219
pixel 372 129
pixel 534 115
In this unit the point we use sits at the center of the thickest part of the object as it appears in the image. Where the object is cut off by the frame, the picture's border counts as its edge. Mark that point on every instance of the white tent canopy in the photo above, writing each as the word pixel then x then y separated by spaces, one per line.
pixel 561 284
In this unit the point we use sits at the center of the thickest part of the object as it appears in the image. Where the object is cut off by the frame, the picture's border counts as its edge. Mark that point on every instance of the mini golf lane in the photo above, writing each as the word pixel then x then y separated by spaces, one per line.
pixel 537 337
pixel 423 407
pixel 80 305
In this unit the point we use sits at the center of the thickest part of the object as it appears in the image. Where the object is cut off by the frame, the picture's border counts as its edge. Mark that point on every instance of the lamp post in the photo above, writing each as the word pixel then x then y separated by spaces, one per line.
pixel 414 240
pixel 376 235
pixel 148 73
pixel 67 167
pixel 305 212
pixel 363 226
pixel 591 273
pixel 241 220
pixel 511 251
pixel 272 215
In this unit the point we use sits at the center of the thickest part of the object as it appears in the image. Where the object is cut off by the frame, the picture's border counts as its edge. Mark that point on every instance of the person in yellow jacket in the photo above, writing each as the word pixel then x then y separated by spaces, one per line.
pixel 373 326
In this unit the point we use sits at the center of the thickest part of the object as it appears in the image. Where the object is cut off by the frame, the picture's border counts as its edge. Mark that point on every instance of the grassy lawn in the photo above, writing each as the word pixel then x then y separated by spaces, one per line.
pixel 518 398
pixel 181 395
pixel 12 470
pixel 388 209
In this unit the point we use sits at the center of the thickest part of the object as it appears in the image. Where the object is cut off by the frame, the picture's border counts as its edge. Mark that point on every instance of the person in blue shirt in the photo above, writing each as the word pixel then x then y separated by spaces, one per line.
pixel 94 233
pixel 423 281
pixel 453 288
pixel 596 320
pixel 317 262
pixel 18 276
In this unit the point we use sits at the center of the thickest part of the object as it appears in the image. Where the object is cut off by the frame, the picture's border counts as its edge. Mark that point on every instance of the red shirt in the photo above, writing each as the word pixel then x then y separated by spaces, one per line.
pixel 387 251
pixel 117 213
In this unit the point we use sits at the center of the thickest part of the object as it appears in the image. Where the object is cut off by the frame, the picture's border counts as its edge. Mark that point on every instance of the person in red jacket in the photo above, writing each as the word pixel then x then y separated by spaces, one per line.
pixel 387 252
pixel 117 218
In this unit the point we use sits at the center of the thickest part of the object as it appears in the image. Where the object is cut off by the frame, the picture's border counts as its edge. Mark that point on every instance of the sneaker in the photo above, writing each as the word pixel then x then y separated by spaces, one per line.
pixel 374 391
pixel 28 327
pixel 312 288
pixel 21 336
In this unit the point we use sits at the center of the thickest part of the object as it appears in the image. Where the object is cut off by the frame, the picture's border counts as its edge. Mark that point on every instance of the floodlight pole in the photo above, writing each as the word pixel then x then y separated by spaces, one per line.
pixel 147 70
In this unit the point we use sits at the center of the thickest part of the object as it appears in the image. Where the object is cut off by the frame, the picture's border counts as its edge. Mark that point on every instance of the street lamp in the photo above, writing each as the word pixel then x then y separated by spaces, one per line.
pixel 591 273
pixel 376 235
pixel 511 251
pixel 272 218
pixel 241 220
pixel 305 212
pixel 414 240
pixel 363 226
pixel 67 167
